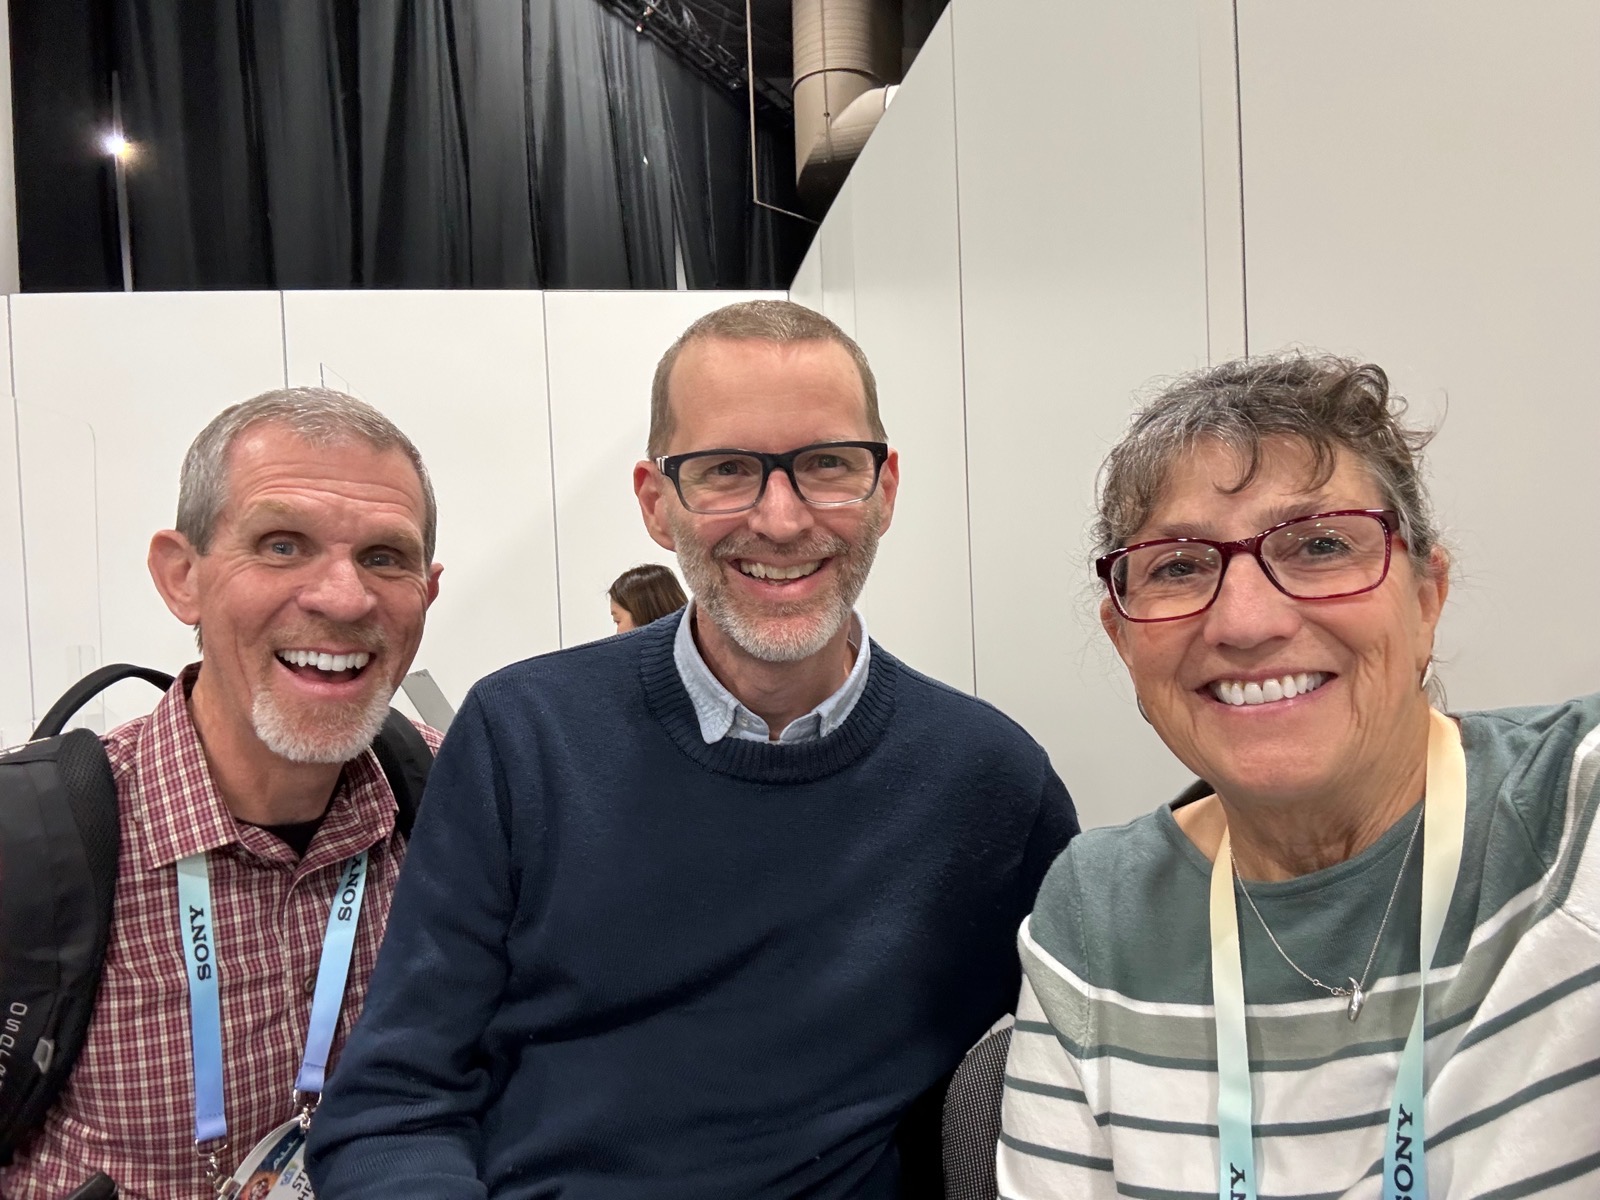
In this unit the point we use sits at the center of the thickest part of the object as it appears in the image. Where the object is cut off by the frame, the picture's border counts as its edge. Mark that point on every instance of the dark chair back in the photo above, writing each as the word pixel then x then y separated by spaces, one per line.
pixel 972 1119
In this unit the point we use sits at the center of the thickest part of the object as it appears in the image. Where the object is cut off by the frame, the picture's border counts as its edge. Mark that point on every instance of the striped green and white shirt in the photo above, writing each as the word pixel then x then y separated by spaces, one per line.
pixel 1111 1087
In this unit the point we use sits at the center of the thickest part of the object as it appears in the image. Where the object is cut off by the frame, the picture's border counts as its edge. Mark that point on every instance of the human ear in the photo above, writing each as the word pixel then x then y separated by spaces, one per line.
pixel 889 487
pixel 651 491
pixel 1433 588
pixel 1116 629
pixel 173 563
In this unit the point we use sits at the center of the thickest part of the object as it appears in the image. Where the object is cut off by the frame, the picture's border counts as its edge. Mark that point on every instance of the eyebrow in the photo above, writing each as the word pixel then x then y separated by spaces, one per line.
pixel 1276 515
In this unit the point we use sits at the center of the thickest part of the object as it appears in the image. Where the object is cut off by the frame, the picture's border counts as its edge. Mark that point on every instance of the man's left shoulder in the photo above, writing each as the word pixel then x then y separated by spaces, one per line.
pixel 932 700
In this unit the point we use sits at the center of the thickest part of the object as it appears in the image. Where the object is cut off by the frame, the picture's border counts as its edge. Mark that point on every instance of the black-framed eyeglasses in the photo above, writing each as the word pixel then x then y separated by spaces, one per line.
pixel 824 475
pixel 1325 556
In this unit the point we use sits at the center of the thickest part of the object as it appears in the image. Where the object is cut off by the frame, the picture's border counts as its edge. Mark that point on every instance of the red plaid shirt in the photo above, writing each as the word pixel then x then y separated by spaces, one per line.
pixel 128 1109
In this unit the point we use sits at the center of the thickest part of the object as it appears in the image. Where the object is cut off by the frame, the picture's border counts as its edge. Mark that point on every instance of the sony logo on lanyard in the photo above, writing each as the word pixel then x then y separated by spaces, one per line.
pixel 1405 1176
pixel 285 1145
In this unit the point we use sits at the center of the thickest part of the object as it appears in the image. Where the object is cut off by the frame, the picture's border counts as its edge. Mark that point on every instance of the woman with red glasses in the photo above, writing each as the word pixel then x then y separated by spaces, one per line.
pixel 1362 958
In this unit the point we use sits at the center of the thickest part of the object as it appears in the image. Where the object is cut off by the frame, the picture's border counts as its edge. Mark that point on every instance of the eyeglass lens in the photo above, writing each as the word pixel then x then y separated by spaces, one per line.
pixel 713 483
pixel 1312 559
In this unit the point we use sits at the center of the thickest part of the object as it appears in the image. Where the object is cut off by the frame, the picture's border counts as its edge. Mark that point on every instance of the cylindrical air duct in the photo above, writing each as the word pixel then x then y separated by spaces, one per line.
pixel 843 50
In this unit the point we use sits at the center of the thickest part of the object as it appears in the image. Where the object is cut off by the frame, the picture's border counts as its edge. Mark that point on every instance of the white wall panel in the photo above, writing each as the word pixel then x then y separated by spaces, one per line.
pixel 905 263
pixel 463 373
pixel 16 692
pixel 603 348
pixel 1421 186
pixel 806 288
pixel 110 391
pixel 1083 252
pixel 836 251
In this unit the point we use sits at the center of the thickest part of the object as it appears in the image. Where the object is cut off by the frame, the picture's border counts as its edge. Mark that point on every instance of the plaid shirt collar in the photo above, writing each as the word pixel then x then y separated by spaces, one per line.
pixel 180 811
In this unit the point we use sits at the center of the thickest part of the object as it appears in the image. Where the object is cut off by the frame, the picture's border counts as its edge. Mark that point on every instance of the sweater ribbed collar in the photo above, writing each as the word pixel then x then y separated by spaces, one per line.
pixel 763 762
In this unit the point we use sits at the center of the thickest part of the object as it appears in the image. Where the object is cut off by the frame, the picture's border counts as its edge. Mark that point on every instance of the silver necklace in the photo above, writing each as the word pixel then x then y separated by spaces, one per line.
pixel 1357 991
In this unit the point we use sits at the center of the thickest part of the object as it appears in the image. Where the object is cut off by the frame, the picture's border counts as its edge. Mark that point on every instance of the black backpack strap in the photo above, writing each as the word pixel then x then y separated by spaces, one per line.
pixel 90 686
pixel 406 759
pixel 59 840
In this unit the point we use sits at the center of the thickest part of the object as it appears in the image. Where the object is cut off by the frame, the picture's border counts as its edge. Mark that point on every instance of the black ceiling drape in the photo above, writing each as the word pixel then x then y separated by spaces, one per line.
pixel 416 143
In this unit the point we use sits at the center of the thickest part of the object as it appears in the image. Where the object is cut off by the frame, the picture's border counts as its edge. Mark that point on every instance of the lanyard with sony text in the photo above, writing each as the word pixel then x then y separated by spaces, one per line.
pixel 205 1004
pixel 1405 1175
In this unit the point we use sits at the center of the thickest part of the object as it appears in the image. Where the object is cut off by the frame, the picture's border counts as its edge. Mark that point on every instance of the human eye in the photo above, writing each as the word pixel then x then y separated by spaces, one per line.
pixel 835 461
pixel 1321 541
pixel 1325 545
pixel 824 460
pixel 390 556
pixel 281 545
pixel 1173 566
pixel 721 469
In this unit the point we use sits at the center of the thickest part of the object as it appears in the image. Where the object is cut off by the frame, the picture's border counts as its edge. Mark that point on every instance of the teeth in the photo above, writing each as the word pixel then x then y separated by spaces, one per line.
pixel 1239 694
pixel 768 571
pixel 326 662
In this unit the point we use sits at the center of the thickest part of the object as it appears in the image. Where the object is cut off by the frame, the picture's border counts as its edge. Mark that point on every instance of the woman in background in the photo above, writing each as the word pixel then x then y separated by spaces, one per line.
pixel 643 594
pixel 1227 997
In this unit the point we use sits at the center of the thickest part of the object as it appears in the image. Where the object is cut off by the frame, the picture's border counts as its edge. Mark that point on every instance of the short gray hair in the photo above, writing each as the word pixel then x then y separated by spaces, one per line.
pixel 320 416
pixel 1323 402
pixel 781 321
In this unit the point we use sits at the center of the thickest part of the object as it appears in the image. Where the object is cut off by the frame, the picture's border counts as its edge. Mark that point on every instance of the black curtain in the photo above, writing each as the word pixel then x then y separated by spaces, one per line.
pixel 418 144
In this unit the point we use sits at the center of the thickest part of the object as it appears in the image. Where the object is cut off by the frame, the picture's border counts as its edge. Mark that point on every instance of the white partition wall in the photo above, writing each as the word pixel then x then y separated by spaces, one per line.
pixel 900 285
pixel 463 373
pixel 1437 211
pixel 1083 244
pixel 16 690
pixel 603 349
pixel 110 391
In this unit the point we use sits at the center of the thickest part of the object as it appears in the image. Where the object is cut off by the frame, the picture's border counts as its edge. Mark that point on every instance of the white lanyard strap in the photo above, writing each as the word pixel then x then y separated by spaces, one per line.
pixel 205 1003
pixel 1444 830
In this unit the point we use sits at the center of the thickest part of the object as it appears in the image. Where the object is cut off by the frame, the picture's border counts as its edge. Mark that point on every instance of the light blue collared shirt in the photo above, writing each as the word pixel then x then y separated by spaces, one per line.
pixel 722 715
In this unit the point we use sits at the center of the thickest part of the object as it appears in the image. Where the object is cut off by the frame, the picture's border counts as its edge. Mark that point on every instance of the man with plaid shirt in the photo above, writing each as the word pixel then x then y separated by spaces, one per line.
pixel 303 554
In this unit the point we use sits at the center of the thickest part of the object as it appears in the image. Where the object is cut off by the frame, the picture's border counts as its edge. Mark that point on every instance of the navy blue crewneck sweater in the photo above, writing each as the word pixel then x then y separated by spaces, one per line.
pixel 623 963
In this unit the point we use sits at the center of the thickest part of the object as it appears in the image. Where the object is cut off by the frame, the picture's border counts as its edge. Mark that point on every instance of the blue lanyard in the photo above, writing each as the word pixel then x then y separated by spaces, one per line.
pixel 1444 822
pixel 205 1003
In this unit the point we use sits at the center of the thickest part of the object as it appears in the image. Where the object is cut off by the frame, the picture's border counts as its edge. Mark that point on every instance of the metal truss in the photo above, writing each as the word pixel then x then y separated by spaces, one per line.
pixel 673 24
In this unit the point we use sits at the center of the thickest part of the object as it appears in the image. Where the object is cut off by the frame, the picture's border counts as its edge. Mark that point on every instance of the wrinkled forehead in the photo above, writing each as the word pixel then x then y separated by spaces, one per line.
pixel 270 452
pixel 1212 474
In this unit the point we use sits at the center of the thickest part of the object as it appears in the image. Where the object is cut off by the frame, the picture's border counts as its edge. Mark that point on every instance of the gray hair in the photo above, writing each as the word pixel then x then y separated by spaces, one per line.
pixel 1323 402
pixel 318 415
pixel 780 321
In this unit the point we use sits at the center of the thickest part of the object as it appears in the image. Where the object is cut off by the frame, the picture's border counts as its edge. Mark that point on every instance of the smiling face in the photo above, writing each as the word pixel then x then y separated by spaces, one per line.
pixel 1263 695
pixel 310 597
pixel 777 581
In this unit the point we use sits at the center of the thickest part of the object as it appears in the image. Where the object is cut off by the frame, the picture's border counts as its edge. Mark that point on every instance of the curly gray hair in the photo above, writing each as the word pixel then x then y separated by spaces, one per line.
pixel 1324 402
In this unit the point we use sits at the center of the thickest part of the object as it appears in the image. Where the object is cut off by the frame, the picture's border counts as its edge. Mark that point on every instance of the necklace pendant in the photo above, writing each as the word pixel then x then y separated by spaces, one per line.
pixel 1358 999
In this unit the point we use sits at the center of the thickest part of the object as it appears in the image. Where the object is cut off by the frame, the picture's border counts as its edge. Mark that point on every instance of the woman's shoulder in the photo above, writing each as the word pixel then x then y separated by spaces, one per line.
pixel 1538 767
pixel 1539 753
pixel 1145 876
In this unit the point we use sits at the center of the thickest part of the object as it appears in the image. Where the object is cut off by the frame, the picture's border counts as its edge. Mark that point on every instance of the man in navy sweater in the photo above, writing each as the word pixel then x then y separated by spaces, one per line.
pixel 702 910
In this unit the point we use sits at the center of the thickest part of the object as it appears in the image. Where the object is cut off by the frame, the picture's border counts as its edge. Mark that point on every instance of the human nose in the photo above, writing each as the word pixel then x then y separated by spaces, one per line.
pixel 338 591
pixel 781 515
pixel 1249 608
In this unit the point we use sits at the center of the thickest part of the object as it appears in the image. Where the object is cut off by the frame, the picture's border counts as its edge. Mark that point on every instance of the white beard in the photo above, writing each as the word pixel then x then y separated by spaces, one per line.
pixel 328 737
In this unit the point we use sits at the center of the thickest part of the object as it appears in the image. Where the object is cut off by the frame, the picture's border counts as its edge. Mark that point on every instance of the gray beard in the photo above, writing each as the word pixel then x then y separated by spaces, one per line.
pixel 336 738
pixel 760 636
